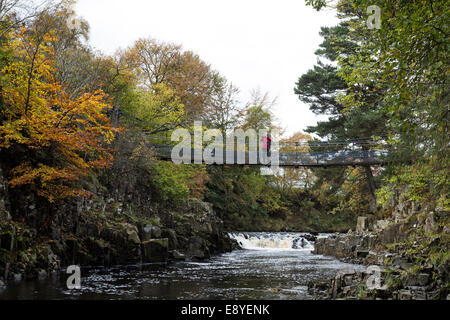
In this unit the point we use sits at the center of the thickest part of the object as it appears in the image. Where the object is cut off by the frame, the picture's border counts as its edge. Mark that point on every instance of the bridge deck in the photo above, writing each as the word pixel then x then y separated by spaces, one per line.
pixel 293 159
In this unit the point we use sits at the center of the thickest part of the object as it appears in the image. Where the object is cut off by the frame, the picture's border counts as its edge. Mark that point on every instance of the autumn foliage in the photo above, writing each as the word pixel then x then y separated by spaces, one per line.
pixel 54 139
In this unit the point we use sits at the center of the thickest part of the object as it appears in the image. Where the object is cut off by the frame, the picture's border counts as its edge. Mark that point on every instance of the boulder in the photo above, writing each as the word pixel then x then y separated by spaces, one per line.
pixel 402 263
pixel 299 243
pixel 149 231
pixel 175 254
pixel 155 231
pixel 132 232
pixel 362 225
pixel 346 272
pixel 17 277
pixel 405 295
pixel 310 237
pixel 145 232
pixel 444 272
pixel 361 253
pixel 391 234
pixel 88 229
pixel 197 249
pixel 346 290
pixel 418 280
pixel 381 224
pixel 373 258
pixel 155 250
pixel 235 245
pixel 42 274
pixel 172 236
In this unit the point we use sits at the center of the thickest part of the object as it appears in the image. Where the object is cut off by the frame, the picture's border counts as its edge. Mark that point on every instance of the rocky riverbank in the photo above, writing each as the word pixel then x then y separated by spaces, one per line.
pixel 408 258
pixel 103 230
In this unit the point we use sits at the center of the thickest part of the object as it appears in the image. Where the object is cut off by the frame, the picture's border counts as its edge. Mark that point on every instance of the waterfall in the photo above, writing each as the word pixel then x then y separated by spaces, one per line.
pixel 269 240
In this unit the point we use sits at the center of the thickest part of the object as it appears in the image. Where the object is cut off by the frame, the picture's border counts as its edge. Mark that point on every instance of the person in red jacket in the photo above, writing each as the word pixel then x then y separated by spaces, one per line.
pixel 266 143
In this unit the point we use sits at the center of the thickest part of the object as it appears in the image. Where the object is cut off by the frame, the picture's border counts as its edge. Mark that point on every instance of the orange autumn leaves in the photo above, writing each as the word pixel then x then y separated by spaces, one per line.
pixel 71 136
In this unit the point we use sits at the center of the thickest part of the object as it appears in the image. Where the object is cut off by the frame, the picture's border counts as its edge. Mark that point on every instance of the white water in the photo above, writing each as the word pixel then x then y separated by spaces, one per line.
pixel 272 241
pixel 270 270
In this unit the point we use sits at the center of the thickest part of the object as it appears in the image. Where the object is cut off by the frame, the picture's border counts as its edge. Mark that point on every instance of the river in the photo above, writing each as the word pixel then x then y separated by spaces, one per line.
pixel 272 266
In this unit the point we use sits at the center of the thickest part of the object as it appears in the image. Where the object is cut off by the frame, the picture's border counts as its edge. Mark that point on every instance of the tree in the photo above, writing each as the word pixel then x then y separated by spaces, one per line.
pixel 290 178
pixel 14 13
pixel 77 66
pixel 407 60
pixel 242 197
pixel 324 88
pixel 51 141
pixel 155 113
pixel 156 62
pixel 223 110
pixel 258 112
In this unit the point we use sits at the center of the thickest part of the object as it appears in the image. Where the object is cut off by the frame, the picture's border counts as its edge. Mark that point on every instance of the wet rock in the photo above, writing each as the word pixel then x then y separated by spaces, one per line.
pixel 346 290
pixel 299 243
pixel 155 232
pixel 321 285
pixel 419 280
pixel 361 253
pixel 347 280
pixel 405 295
pixel 443 272
pixel 335 287
pixel 145 232
pixel 206 228
pixel 17 277
pixel 319 289
pixel 373 258
pixel 222 242
pixel 132 233
pixel 362 225
pixel 381 225
pixel 235 245
pixel 42 274
pixel 367 242
pixel 310 237
pixel 391 234
pixel 346 272
pixel 402 263
pixel 198 249
pixel 295 243
pixel 86 230
pixel 174 254
pixel 155 250
pixel 172 236
pixel 342 279
pixel 419 293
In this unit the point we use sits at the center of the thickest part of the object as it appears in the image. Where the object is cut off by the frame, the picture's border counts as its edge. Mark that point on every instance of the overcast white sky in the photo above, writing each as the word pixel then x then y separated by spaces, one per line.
pixel 264 44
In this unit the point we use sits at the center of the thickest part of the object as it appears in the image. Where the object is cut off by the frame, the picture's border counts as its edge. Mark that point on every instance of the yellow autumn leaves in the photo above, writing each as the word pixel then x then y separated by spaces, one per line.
pixel 56 139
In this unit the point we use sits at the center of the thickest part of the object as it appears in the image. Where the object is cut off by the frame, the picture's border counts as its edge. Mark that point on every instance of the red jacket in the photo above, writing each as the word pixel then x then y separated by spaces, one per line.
pixel 266 142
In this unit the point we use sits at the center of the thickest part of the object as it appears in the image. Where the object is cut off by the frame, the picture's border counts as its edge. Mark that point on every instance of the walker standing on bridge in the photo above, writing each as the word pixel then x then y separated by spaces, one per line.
pixel 266 144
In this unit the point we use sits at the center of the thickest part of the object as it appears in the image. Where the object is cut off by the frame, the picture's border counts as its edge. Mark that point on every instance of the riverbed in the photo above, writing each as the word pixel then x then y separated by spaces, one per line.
pixel 267 268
